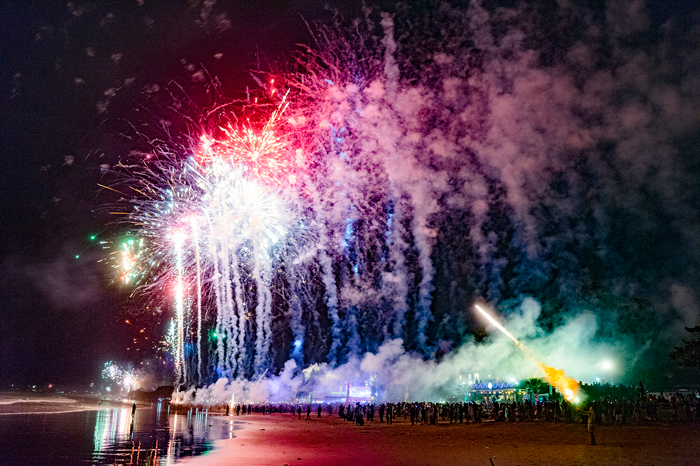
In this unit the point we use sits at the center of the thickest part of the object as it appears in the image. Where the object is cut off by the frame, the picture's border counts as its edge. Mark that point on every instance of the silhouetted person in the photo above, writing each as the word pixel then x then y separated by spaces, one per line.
pixel 591 422
pixel 618 414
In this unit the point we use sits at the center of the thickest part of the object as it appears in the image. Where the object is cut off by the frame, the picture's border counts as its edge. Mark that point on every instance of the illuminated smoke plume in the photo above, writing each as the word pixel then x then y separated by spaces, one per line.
pixel 421 160
pixel 555 377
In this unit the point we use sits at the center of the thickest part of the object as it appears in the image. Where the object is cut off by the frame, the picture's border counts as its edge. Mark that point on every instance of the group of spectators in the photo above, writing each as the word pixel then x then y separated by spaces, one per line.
pixel 617 412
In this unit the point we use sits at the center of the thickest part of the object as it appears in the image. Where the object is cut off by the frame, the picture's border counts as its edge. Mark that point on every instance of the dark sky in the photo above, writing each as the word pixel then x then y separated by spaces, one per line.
pixel 74 75
pixel 61 64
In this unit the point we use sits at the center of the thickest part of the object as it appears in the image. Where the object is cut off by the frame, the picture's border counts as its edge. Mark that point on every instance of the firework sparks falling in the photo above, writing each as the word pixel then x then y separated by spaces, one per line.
pixel 126 378
pixel 557 377
pixel 127 258
pixel 212 226
pixel 260 154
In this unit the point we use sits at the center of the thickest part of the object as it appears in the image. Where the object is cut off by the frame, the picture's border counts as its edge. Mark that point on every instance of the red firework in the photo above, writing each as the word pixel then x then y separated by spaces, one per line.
pixel 261 154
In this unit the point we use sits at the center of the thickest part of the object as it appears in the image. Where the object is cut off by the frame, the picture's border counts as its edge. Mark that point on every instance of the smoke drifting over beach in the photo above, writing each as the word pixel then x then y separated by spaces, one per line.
pixel 452 154
pixel 393 371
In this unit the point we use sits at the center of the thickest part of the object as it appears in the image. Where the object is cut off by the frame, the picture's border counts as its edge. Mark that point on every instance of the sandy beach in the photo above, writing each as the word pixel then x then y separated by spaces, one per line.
pixel 278 440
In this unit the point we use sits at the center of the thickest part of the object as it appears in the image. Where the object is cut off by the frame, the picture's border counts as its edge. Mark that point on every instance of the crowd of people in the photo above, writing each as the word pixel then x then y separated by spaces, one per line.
pixel 616 412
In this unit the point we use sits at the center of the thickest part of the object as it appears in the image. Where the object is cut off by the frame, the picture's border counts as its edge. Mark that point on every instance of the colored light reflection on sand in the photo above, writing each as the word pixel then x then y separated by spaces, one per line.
pixel 556 377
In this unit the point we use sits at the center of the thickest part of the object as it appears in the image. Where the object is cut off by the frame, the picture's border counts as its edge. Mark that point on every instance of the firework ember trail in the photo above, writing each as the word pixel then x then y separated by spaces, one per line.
pixel 215 224
pixel 556 377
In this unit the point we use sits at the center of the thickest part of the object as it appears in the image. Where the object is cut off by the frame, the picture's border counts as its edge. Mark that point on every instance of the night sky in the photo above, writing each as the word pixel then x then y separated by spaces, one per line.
pixel 61 317
pixel 73 75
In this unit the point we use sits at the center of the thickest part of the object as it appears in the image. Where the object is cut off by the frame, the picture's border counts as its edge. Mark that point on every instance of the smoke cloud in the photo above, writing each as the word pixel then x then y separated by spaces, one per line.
pixel 391 369
pixel 500 163
pixel 539 160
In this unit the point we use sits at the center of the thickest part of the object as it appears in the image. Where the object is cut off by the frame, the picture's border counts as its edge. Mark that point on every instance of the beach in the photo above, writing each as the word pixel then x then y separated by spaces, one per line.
pixel 282 439
pixel 45 430
pixel 45 403
pixel 278 440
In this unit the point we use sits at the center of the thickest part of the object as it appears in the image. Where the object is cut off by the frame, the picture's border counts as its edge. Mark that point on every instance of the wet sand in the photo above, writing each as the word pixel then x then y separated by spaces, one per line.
pixel 278 440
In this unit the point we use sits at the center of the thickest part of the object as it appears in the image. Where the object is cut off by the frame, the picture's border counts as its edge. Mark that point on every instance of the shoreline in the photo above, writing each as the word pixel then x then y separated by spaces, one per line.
pixel 34 403
pixel 276 439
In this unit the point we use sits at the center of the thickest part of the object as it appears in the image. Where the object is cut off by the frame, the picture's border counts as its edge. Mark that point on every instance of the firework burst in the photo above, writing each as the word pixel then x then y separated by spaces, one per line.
pixel 261 154
pixel 213 219
pixel 127 378
pixel 129 260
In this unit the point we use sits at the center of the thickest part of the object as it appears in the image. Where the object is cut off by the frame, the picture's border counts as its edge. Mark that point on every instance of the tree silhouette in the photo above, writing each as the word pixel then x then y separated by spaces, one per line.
pixel 688 354
pixel 534 385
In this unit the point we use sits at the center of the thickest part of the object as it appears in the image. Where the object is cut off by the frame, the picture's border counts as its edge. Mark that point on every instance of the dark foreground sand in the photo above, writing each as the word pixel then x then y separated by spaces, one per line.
pixel 278 440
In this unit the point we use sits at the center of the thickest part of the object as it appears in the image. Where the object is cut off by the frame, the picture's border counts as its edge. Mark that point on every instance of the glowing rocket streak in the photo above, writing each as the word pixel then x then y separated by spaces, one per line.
pixel 195 239
pixel 179 311
pixel 528 353
pixel 556 377
pixel 500 327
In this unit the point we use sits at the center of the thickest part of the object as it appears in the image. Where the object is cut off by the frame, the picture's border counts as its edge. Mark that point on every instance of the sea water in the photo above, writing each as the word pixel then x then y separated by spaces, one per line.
pixel 153 436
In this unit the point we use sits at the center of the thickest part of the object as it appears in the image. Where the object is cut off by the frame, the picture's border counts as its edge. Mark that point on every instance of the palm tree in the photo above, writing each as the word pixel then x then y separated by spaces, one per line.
pixel 534 386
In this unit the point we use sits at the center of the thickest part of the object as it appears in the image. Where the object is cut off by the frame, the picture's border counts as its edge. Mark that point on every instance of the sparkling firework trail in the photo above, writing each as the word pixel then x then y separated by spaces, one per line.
pixel 195 237
pixel 557 377
pixel 127 379
pixel 180 367
pixel 211 225
pixel 260 154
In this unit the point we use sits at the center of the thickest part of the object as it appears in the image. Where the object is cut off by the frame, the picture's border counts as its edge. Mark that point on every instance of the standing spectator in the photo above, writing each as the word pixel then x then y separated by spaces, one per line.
pixel 591 422
pixel 618 414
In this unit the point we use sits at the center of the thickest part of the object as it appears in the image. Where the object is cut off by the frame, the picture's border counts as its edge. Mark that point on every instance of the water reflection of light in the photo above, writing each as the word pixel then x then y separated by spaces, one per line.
pixel 159 437
pixel 171 440
pixel 111 425
pixel 98 436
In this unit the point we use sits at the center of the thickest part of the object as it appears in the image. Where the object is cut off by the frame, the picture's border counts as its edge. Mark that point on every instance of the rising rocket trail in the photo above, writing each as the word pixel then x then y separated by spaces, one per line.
pixel 554 376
